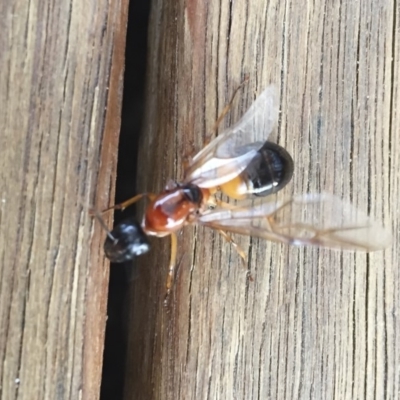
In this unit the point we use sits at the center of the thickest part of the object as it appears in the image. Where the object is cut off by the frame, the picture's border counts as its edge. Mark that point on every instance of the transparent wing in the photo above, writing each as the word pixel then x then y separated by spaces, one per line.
pixel 229 153
pixel 311 219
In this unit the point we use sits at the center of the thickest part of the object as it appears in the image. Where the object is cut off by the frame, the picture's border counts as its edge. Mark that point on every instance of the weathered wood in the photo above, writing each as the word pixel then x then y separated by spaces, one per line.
pixel 62 67
pixel 311 323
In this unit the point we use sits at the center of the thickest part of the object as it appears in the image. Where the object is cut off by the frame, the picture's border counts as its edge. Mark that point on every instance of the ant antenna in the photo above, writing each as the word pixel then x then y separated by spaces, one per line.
pixel 96 214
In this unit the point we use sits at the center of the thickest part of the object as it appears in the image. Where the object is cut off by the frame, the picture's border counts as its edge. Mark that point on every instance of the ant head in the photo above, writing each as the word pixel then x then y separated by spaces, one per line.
pixel 125 241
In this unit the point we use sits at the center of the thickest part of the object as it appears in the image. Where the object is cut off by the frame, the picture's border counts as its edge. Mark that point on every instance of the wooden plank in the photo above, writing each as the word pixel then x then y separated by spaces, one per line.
pixel 311 323
pixel 62 66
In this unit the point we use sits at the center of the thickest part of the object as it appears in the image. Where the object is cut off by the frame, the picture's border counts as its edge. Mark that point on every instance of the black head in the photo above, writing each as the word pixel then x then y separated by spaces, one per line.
pixel 126 241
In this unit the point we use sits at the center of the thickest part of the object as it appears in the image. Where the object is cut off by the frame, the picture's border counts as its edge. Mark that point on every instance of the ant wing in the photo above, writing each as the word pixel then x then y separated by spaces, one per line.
pixel 311 219
pixel 230 153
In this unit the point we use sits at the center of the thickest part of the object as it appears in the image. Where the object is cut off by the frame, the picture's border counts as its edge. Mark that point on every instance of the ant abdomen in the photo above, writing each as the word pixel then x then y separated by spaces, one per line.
pixel 269 171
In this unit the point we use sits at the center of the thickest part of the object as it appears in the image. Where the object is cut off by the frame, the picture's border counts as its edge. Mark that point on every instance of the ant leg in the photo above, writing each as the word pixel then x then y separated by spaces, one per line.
pixel 228 106
pixel 186 161
pixel 224 204
pixel 270 219
pixel 94 213
pixel 207 140
pixel 239 250
pixel 172 262
pixel 129 202
pixel 230 240
pixel 224 112
pixel 214 202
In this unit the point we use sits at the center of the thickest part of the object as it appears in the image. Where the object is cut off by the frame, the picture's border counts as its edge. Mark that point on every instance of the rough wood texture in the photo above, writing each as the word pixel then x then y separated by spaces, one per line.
pixel 312 323
pixel 61 79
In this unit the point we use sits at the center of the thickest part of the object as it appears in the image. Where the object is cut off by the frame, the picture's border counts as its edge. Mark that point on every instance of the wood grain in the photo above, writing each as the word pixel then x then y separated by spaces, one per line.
pixel 311 323
pixel 62 66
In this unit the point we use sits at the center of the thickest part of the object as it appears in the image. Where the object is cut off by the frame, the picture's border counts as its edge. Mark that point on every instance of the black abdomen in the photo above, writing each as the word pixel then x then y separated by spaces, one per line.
pixel 270 170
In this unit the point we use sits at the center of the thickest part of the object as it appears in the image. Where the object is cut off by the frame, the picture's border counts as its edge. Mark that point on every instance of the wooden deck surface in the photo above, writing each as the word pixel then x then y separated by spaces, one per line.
pixel 311 323
pixel 60 97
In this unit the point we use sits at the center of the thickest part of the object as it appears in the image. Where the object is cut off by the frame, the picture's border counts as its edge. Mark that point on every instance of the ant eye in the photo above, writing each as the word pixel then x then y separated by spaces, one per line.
pixel 126 241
